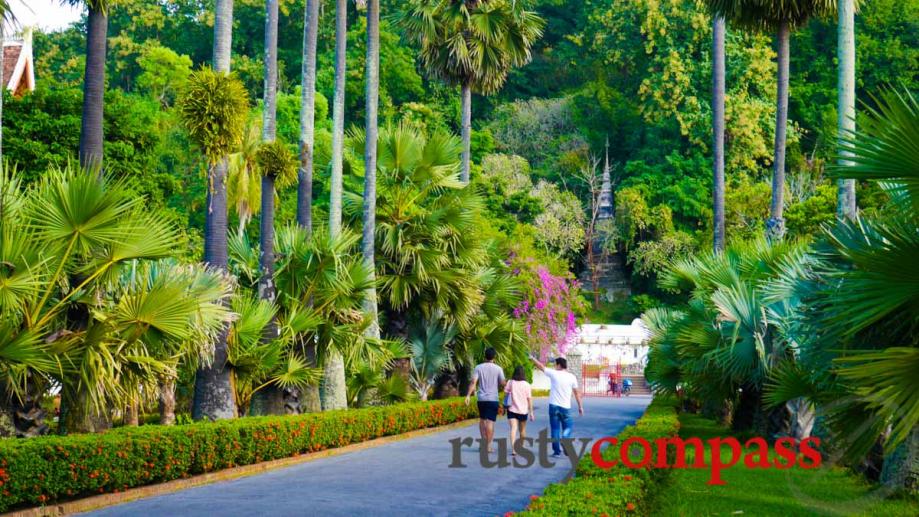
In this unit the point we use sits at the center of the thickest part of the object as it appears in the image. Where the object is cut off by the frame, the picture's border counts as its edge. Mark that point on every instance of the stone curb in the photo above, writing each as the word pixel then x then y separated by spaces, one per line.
pixel 101 501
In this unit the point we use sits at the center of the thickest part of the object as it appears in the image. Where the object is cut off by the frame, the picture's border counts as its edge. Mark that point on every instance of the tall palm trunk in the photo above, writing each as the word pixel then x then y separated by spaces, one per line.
pixel 775 226
pixel 718 131
pixel 332 391
pixel 307 115
pixel 214 398
pixel 845 203
pixel 93 88
pixel 266 288
pixel 466 128
pixel 167 402
pixel 370 157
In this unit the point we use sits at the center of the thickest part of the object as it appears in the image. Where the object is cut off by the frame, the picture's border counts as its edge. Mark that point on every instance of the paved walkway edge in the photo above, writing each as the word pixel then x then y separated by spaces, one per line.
pixel 132 494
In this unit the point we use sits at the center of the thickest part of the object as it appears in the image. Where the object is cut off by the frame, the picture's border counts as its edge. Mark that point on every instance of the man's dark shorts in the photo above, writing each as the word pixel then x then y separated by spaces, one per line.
pixel 488 409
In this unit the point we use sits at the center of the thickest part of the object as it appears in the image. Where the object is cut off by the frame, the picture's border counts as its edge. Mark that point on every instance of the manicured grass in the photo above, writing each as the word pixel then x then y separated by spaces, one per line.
pixel 785 493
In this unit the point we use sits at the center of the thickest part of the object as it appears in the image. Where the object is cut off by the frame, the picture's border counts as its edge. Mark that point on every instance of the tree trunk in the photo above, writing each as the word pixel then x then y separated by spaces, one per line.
pixel 307 115
pixel 901 467
pixel 214 397
pixel 266 288
pixel 372 81
pixel 168 402
pixel 223 35
pixel 718 132
pixel 93 90
pixel 131 415
pixel 775 226
pixel 466 127
pixel 338 117
pixel 845 202
pixel 309 397
pixel 75 418
pixel 2 93
pixel 332 391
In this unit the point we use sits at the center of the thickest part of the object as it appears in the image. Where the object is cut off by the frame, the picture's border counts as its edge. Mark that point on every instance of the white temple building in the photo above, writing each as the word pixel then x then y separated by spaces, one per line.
pixel 607 346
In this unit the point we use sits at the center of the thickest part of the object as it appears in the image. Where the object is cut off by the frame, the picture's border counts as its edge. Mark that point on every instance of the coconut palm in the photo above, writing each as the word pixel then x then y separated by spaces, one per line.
pixel 781 17
pixel 91 131
pixel 472 44
pixel 307 114
pixel 213 110
pixel 372 80
pixel 845 205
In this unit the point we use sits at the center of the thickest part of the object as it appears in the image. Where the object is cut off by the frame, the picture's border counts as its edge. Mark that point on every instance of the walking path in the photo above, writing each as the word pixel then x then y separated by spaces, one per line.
pixel 409 477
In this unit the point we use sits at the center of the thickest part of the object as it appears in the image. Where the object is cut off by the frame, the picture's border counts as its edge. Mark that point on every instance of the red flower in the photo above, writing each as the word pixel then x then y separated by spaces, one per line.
pixel 534 497
pixel 627 478
pixel 630 507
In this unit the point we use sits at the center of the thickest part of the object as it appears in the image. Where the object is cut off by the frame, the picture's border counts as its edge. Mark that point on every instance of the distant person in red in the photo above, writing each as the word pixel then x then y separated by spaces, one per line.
pixel 487 381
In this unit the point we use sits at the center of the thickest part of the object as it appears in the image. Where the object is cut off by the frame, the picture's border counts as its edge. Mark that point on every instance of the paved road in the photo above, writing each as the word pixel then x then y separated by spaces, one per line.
pixel 408 477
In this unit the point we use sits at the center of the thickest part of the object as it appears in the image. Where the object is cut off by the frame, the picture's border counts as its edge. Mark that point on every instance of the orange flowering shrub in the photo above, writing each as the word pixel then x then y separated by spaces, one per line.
pixel 43 470
pixel 616 491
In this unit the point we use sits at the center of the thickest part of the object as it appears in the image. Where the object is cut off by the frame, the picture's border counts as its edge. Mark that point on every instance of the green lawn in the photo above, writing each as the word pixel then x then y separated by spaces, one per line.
pixel 785 493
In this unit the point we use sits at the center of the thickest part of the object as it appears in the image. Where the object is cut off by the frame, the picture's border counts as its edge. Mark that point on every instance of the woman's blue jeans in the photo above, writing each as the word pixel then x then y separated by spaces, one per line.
pixel 560 422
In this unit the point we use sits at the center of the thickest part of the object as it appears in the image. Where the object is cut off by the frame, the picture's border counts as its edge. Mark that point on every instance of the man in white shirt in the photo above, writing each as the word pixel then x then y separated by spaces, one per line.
pixel 562 385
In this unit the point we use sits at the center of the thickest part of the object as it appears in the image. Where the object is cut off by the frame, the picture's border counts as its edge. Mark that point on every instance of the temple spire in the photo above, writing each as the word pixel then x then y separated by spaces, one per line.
pixel 606 189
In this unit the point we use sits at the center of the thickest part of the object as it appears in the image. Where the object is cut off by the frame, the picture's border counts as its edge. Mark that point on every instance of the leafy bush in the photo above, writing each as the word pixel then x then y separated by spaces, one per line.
pixel 595 491
pixel 42 470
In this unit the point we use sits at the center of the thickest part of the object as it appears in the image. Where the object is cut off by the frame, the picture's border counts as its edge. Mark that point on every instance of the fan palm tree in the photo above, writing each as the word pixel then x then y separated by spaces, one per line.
pixel 258 363
pixel 214 110
pixel 428 256
pixel 845 48
pixel 307 114
pixel 91 131
pixel 430 344
pixel 781 17
pixel 728 336
pixel 861 292
pixel 71 312
pixel 472 44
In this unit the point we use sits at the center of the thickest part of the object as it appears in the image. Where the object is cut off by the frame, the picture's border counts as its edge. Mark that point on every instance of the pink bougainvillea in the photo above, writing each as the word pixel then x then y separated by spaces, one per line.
pixel 548 311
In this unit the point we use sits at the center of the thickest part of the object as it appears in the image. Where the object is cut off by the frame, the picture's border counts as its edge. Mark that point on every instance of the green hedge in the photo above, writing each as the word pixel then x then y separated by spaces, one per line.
pixel 619 490
pixel 40 471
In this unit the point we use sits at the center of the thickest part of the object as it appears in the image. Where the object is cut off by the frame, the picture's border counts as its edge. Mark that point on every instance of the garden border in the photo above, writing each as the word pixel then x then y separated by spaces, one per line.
pixel 110 499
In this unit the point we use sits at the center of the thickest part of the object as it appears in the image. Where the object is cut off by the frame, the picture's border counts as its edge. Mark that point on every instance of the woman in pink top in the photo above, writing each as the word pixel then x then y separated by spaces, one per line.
pixel 521 405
